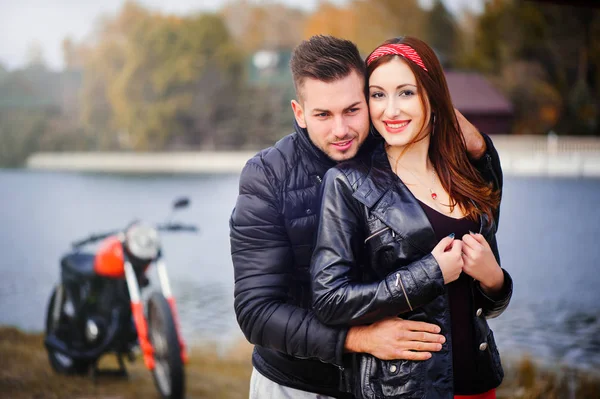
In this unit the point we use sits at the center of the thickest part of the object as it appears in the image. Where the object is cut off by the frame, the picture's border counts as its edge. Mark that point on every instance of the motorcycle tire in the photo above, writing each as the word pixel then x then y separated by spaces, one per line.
pixel 168 372
pixel 60 362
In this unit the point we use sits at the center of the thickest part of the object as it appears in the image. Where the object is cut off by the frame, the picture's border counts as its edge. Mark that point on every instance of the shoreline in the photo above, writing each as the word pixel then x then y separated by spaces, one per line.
pixel 519 155
pixel 27 373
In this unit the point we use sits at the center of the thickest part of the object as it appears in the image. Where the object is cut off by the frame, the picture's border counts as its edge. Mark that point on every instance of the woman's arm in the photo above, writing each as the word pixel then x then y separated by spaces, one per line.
pixel 337 296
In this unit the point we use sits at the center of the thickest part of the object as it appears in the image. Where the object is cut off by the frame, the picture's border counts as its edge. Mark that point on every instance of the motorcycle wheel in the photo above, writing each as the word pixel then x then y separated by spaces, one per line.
pixel 168 373
pixel 60 362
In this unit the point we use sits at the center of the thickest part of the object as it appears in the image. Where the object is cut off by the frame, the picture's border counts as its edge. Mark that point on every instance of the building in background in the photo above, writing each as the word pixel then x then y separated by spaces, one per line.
pixel 481 103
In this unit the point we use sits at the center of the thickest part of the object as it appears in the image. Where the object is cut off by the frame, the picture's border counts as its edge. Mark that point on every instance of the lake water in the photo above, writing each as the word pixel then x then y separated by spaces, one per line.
pixel 547 240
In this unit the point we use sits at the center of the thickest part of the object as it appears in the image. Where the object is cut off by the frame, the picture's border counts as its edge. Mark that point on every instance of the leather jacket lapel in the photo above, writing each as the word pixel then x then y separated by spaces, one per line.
pixel 387 198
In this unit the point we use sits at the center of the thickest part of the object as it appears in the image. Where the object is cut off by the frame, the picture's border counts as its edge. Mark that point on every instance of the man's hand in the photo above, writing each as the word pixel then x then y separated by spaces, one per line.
pixel 394 338
pixel 473 139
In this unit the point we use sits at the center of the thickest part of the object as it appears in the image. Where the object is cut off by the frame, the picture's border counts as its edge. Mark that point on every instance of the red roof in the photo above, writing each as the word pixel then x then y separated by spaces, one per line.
pixel 473 93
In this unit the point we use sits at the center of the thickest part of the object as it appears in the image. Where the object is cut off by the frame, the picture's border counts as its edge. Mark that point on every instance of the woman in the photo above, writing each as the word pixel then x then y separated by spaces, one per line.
pixel 409 230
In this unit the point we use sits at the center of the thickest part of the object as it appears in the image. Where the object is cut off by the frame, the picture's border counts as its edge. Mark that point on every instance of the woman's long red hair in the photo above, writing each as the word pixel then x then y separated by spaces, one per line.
pixel 447 148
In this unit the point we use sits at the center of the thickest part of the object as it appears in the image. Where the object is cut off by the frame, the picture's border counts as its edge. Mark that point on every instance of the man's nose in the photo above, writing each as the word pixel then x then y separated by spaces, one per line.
pixel 340 128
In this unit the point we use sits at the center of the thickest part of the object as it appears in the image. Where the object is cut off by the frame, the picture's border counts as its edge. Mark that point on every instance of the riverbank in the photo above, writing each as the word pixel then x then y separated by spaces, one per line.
pixel 520 155
pixel 25 373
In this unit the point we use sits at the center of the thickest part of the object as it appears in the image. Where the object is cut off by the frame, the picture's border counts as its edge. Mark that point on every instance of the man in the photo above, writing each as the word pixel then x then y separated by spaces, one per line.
pixel 273 227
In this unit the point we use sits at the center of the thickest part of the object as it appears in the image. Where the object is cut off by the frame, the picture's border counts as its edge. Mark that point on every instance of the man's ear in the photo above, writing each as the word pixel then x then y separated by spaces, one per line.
pixel 299 114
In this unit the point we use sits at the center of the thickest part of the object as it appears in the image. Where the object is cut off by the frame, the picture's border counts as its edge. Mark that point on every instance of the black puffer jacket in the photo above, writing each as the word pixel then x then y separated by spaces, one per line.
pixel 273 228
pixel 373 260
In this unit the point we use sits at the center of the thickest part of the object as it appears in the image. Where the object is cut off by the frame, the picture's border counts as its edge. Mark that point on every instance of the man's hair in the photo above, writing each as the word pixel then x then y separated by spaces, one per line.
pixel 324 58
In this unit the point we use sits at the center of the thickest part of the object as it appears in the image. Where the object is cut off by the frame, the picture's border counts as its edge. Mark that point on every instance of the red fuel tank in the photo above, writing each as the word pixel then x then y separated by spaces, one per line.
pixel 110 261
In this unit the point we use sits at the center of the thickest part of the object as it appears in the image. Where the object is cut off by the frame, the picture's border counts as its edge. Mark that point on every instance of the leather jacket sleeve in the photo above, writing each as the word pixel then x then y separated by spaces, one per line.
pixel 494 306
pixel 491 170
pixel 263 263
pixel 338 298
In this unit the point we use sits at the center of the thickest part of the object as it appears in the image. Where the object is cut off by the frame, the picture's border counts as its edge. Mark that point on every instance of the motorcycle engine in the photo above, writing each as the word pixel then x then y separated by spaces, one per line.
pixel 94 329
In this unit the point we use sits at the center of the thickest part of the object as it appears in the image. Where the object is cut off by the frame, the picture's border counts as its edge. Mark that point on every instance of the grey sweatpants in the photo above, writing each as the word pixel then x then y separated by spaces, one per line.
pixel 263 388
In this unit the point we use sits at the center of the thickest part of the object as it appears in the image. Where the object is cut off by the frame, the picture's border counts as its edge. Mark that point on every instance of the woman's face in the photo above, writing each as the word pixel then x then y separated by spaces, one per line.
pixel 394 103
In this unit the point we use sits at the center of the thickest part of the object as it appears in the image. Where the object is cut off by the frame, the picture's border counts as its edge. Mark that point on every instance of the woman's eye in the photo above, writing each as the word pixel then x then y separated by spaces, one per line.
pixel 407 93
pixel 376 94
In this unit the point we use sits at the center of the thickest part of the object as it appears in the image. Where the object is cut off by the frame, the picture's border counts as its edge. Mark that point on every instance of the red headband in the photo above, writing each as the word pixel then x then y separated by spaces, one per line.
pixel 397 49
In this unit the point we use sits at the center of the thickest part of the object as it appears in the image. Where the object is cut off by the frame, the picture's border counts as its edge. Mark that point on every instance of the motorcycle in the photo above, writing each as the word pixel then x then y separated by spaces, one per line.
pixel 97 307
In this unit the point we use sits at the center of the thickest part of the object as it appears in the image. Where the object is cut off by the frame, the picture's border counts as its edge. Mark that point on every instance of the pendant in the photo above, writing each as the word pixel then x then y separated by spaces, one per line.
pixel 433 195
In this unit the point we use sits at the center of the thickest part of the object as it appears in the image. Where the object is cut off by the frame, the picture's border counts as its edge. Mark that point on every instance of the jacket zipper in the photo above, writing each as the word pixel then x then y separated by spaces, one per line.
pixel 378 232
pixel 399 283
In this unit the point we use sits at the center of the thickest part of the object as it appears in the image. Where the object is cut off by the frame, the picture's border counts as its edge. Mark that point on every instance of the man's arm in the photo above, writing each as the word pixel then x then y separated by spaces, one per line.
pixel 476 145
pixel 262 260
pixel 485 158
pixel 263 263
pixel 483 155
pixel 396 338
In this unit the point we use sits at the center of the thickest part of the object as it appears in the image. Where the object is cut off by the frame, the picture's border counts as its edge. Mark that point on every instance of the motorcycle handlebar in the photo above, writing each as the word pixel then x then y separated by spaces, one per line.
pixel 93 238
pixel 175 227
pixel 178 227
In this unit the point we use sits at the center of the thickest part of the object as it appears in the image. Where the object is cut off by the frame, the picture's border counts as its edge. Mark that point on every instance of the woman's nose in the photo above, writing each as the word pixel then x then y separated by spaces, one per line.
pixel 392 110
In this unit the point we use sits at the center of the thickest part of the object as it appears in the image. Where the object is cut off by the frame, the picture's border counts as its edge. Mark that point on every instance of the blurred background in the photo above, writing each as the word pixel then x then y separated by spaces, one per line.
pixel 109 110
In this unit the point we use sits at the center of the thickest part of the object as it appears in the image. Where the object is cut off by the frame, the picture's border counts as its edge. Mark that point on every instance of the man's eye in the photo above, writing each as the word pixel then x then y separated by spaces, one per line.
pixel 321 115
pixel 353 110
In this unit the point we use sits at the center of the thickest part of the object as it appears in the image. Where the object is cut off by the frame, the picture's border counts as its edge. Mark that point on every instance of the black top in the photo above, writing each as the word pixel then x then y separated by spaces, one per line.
pixel 463 330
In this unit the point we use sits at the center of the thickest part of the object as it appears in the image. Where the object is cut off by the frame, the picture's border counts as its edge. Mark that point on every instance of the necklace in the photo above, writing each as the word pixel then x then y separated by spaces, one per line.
pixel 430 188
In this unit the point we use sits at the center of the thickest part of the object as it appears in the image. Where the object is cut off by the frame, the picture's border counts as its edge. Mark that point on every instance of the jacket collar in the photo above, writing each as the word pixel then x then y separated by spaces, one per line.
pixel 379 179
pixel 313 151
pixel 388 198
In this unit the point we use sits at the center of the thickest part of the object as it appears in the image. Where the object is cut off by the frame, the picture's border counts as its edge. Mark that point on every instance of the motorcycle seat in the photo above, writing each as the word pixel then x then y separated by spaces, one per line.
pixel 78 264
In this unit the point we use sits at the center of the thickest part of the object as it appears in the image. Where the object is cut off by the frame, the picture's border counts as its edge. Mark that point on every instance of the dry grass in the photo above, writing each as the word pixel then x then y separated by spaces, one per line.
pixel 26 373
pixel 526 380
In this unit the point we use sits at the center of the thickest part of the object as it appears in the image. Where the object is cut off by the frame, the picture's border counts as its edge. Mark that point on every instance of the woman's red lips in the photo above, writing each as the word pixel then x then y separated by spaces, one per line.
pixel 394 126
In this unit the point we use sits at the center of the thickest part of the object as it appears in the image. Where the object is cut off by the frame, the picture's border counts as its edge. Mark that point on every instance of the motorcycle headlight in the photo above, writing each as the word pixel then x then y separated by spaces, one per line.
pixel 142 241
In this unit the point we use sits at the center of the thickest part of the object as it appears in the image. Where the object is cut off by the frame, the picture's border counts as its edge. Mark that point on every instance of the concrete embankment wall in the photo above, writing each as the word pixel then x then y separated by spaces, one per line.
pixel 520 155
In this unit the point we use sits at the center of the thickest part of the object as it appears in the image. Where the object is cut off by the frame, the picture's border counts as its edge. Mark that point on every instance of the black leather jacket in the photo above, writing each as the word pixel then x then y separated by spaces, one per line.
pixel 373 259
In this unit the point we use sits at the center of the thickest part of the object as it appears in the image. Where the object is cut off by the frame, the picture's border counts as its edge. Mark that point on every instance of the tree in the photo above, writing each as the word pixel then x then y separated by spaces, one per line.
pixel 156 80
pixel 561 44
pixel 367 23
pixel 35 55
pixel 442 33
pixel 263 26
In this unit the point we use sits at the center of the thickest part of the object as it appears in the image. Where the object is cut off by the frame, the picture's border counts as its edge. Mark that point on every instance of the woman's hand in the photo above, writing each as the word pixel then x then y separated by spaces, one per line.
pixel 480 263
pixel 448 254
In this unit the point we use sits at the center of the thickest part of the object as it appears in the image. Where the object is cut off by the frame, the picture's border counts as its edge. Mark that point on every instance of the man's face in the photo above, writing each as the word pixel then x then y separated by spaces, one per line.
pixel 335 115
